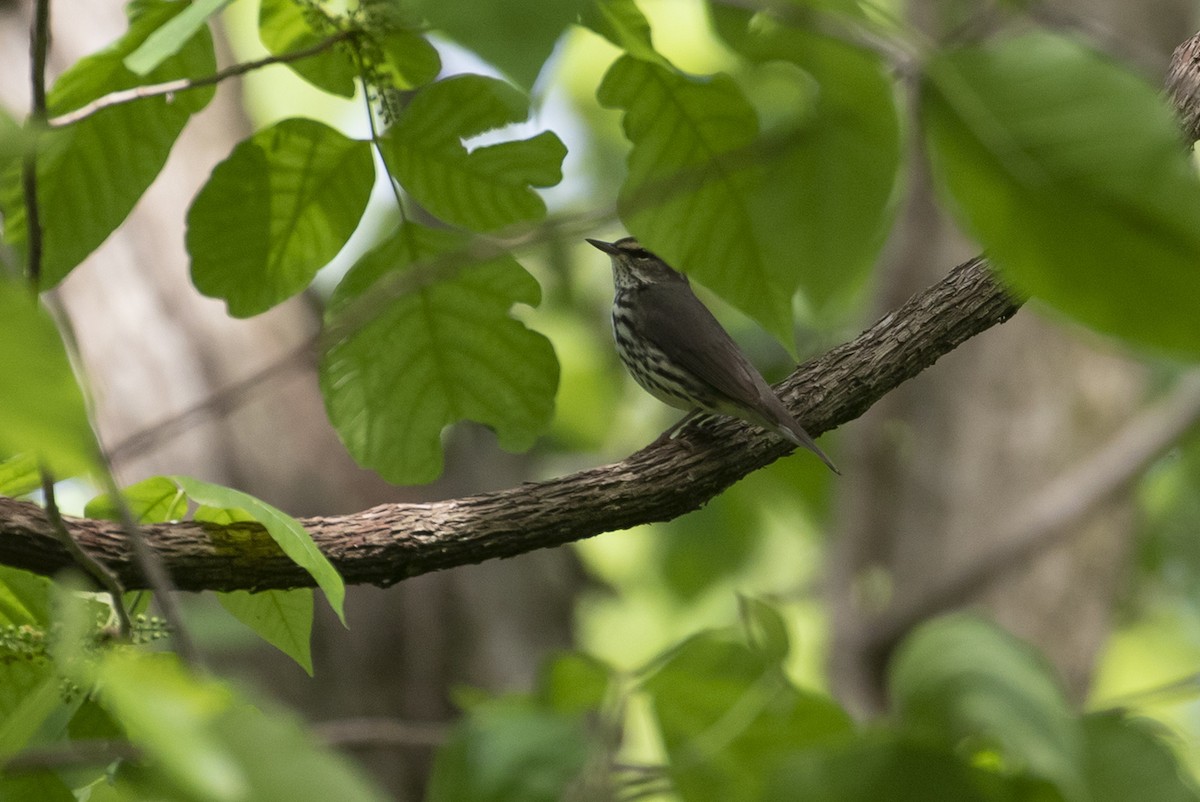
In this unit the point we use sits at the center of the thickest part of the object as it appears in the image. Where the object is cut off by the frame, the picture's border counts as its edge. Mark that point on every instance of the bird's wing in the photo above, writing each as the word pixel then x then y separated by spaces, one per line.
pixel 681 326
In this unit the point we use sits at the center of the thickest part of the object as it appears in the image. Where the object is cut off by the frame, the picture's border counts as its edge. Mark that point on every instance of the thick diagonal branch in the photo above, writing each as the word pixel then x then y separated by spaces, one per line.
pixel 392 542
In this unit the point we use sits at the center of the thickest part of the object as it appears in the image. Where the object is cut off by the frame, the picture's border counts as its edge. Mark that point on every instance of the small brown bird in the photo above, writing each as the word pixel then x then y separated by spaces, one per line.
pixel 678 352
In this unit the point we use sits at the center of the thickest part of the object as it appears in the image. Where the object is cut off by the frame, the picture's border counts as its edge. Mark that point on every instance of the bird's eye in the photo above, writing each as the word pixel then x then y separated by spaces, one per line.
pixel 641 253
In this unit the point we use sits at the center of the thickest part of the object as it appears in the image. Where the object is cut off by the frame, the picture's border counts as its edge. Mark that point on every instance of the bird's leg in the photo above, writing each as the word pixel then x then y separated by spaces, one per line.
pixel 670 433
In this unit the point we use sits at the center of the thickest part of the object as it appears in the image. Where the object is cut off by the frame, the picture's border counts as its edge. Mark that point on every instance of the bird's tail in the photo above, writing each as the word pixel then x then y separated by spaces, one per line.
pixel 796 434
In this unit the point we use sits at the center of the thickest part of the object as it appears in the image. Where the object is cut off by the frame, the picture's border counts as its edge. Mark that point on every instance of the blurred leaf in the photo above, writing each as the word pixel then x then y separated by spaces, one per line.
pixel 574 682
pixel 509 750
pixel 203 741
pixel 24 598
pixel 443 349
pixel 765 628
pixel 150 501
pixel 622 23
pixel 1127 758
pixel 281 617
pixel 1069 170
pixel 880 766
pixel 13 142
pixel 711 544
pixel 19 475
pixel 285 26
pixel 488 188
pixel 91 173
pixel 173 35
pixel 692 178
pixel 728 716
pixel 275 212
pixel 827 207
pixel 171 716
pixel 959 678
pixel 42 786
pixel 517 36
pixel 42 411
pixel 29 695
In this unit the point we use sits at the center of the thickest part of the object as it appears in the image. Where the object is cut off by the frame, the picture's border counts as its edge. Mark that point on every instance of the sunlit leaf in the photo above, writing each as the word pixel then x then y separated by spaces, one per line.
pixel 441 348
pixel 285 26
pixel 281 617
pixel 173 35
pixel 276 211
pixel 489 187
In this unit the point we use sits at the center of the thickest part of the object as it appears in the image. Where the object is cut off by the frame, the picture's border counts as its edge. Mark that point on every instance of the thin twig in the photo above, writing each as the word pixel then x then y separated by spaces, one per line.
pixel 379 731
pixel 157 578
pixel 93 567
pixel 187 84
pixel 38 47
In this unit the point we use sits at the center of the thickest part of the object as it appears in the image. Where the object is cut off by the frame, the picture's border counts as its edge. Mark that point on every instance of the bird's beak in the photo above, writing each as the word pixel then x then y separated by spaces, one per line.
pixel 607 247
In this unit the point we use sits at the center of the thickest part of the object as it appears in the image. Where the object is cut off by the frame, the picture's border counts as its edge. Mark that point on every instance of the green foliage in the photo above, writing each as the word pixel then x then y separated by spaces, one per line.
pixel 286 26
pixel 174 35
pixel 283 618
pixel 489 187
pixel 42 410
pixel 442 348
pixel 91 173
pixel 1069 170
pixel 517 36
pixel 275 212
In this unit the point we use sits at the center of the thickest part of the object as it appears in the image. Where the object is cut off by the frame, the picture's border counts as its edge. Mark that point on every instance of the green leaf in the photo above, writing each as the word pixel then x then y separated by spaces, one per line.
pixel 19 475
pixel 24 598
pixel 765 628
pixel 40 695
pixel 517 36
pixel 171 716
pixel 728 717
pixel 1069 170
pixel 42 411
pixel 959 677
pixel 693 174
pixel 826 210
pixel 282 617
pixel 153 500
pixel 507 750
pixel 174 34
pixel 622 23
pixel 276 211
pixel 42 786
pixel 442 348
pixel 285 530
pixel 880 766
pixel 490 187
pixel 285 27
pixel 91 173
pixel 13 143
pixel 574 682
pixel 1129 758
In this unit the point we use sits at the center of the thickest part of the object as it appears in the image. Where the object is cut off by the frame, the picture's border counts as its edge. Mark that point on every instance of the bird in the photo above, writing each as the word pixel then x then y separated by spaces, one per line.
pixel 677 351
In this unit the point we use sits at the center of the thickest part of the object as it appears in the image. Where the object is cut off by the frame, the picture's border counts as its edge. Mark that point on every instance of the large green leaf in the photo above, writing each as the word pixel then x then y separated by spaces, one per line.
pixel 443 348
pixel 622 23
pixel 285 26
pixel 19 475
pixel 728 716
pixel 489 187
pixel 24 598
pixel 275 212
pixel 42 410
pixel 1069 170
pixel 693 177
pixel 91 173
pixel 517 35
pixel 173 35
pixel 960 679
pixel 150 501
pixel 833 165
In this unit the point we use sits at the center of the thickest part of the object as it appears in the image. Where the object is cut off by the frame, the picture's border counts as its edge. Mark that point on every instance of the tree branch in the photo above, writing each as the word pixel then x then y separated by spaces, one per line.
pixel 389 543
